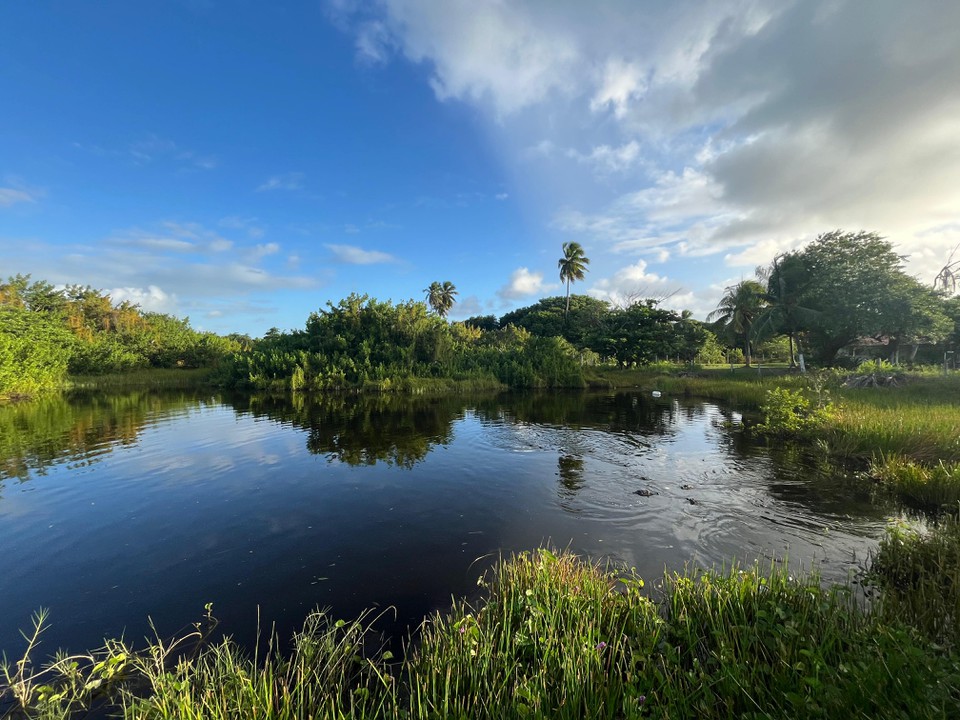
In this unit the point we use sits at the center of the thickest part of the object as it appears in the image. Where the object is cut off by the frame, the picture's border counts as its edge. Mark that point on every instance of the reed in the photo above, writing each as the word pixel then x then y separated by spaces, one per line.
pixel 554 637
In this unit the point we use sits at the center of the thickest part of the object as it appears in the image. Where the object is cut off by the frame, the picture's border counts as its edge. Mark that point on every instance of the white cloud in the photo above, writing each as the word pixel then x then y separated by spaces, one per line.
pixel 632 283
pixel 286 181
pixel 469 306
pixel 622 82
pixel 732 127
pixel 524 283
pixel 373 42
pixel 262 250
pixel 501 196
pixel 353 255
pixel 607 159
pixel 151 298
pixel 12 196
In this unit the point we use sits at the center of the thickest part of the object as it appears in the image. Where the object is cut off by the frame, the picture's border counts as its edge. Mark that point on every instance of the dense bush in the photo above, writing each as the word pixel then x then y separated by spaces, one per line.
pixel 365 343
pixel 46 333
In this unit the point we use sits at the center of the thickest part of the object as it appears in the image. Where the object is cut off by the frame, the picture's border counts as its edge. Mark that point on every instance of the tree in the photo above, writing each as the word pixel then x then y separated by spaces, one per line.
pixel 857 284
pixel 787 279
pixel 572 266
pixel 577 323
pixel 440 297
pixel 738 309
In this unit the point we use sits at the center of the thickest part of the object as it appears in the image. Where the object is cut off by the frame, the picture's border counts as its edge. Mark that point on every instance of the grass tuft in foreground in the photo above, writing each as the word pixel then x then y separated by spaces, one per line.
pixel 559 638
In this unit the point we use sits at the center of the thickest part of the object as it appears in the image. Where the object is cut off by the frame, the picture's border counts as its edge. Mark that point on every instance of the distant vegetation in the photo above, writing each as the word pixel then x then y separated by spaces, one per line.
pixel 47 333
pixel 842 298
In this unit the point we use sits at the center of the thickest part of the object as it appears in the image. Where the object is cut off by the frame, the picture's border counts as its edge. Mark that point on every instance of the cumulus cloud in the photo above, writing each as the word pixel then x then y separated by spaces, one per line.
pixel 631 283
pixel 353 255
pixel 524 283
pixel 151 298
pixel 733 127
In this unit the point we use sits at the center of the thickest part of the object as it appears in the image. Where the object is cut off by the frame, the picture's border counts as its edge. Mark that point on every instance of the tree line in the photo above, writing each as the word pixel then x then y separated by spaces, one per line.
pixel 840 290
pixel 843 293
pixel 47 333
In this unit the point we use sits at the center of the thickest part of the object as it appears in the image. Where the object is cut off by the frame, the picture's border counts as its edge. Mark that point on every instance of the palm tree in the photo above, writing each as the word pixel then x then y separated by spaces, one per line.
pixel 738 308
pixel 786 279
pixel 440 297
pixel 572 266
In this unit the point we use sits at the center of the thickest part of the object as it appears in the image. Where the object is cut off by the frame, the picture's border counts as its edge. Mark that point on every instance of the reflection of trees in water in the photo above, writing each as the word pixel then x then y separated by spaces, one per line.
pixel 78 427
pixel 619 412
pixel 571 473
pixel 364 429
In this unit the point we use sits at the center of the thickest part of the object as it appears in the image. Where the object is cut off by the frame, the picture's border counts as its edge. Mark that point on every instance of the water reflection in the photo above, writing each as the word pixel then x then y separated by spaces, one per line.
pixel 153 504
pixel 363 429
pixel 79 427
pixel 571 473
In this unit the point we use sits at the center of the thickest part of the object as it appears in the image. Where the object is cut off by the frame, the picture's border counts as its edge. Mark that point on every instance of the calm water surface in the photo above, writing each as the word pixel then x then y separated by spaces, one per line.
pixel 118 507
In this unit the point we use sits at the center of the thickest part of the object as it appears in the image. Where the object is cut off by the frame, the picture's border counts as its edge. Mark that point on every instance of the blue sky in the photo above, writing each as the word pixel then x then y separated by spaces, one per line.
pixel 243 163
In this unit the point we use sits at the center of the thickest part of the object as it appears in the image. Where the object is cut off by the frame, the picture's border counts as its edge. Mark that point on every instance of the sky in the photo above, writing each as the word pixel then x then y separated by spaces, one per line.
pixel 244 163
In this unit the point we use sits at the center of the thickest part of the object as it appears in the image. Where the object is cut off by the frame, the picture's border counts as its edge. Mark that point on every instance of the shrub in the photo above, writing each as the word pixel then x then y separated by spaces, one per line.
pixel 788 413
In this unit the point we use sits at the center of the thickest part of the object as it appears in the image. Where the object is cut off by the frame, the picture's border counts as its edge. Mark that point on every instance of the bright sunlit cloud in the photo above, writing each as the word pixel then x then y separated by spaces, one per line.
pixel 382 146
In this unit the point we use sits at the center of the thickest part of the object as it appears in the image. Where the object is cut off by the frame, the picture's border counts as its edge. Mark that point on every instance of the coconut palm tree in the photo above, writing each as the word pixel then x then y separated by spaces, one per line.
pixel 440 297
pixel 572 266
pixel 786 279
pixel 737 310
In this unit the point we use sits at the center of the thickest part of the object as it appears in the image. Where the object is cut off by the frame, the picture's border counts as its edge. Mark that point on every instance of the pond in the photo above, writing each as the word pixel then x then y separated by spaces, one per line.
pixel 119 507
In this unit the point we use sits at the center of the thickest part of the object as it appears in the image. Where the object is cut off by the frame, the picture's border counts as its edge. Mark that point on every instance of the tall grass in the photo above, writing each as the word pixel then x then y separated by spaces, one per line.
pixel 555 637
pixel 918 569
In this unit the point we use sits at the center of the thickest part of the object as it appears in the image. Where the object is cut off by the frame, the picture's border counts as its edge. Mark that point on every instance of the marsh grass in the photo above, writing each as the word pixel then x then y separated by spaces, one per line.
pixel 917 567
pixel 557 637
pixel 927 487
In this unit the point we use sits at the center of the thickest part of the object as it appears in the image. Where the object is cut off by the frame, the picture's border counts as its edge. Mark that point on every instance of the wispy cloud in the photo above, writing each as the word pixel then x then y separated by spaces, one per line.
pixel 250 225
pixel 286 181
pixel 353 255
pixel 153 149
pixel 11 196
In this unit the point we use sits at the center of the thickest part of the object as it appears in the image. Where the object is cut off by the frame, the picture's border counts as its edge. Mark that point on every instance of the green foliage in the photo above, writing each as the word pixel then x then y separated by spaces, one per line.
pixel 441 297
pixel 368 344
pixel 548 318
pixel 34 349
pixel 46 333
pixel 740 306
pixel 554 637
pixel 572 266
pixel 928 487
pixel 788 413
pixel 917 569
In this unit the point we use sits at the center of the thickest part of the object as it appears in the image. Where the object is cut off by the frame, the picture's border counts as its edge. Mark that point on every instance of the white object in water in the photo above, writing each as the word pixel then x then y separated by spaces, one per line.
pixel 656 393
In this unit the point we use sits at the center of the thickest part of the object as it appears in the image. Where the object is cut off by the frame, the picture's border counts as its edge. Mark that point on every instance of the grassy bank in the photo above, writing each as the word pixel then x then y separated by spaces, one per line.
pixel 555 637
pixel 909 435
